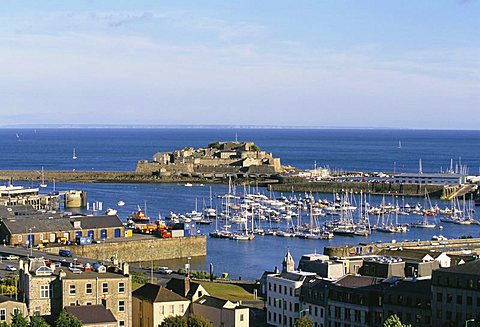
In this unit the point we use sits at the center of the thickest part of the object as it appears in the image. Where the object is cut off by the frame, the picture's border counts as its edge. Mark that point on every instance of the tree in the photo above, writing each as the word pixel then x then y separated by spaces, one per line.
pixel 394 321
pixel 66 320
pixel 37 321
pixel 177 321
pixel 303 322
pixel 198 321
pixel 18 320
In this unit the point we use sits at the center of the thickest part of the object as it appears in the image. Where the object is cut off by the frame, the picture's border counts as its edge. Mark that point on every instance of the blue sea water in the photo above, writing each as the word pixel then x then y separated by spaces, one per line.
pixel 119 149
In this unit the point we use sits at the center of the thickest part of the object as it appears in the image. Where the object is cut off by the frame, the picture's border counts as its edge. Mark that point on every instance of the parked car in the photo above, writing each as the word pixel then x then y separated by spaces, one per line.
pixel 65 253
pixel 165 270
pixel 12 257
pixel 10 268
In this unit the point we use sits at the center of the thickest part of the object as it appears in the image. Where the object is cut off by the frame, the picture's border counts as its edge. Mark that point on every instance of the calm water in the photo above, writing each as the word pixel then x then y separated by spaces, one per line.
pixel 119 149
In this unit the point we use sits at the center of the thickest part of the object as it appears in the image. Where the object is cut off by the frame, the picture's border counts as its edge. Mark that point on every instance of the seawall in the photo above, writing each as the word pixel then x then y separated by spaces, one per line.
pixel 275 184
pixel 141 248
pixel 365 187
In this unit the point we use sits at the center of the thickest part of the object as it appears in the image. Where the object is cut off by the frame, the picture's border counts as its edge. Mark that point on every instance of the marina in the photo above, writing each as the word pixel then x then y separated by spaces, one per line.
pixel 281 220
pixel 262 252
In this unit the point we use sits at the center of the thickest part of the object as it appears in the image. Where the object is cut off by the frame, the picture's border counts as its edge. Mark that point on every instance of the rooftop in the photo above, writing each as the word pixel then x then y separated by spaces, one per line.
pixel 91 314
pixel 352 281
pixel 156 293
pixel 468 268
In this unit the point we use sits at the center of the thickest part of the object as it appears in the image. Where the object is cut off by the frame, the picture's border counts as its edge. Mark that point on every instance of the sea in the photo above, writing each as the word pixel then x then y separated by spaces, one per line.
pixel 119 149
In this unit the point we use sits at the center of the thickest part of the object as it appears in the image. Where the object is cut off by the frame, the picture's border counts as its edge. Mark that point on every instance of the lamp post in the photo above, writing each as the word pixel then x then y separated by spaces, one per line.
pixel 469 320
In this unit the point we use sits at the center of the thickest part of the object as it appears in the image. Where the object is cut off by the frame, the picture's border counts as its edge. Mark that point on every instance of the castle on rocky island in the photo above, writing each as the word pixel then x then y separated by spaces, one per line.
pixel 217 158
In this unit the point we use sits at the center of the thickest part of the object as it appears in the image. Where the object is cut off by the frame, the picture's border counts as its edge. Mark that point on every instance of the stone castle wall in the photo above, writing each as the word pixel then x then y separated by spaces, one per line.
pixel 146 248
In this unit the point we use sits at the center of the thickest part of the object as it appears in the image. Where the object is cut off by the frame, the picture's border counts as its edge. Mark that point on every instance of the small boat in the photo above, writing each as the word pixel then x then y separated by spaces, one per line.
pixel 74 156
pixel 188 185
pixel 139 217
pixel 111 212
pixel 120 203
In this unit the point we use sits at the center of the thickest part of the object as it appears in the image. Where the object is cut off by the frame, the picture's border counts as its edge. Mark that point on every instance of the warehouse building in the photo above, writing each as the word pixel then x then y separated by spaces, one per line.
pixel 44 228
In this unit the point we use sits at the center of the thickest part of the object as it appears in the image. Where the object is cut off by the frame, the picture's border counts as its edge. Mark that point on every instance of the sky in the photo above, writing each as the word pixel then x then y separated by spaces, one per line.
pixel 358 63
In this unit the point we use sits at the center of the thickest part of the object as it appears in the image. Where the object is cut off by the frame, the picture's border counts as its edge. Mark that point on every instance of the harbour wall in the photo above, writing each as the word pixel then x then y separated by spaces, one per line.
pixel 140 249
pixel 365 187
pixel 273 182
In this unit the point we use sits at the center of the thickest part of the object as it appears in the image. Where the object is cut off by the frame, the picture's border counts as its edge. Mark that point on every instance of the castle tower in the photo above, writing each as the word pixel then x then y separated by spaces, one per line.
pixel 288 264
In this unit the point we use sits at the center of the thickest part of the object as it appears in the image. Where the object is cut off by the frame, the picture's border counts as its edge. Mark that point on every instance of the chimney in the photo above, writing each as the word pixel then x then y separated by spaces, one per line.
pixel 186 285
pixel 126 269
pixel 62 274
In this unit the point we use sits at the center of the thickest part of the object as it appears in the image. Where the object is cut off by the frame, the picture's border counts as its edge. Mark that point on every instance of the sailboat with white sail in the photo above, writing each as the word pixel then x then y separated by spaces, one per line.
pixel 74 156
pixel 43 185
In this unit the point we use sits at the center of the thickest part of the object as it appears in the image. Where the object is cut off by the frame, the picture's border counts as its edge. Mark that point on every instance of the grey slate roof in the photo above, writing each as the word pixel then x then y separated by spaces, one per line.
pixel 357 281
pixel 55 223
pixel 103 221
pixel 468 268
pixel 91 314
pixel 212 301
pixel 156 293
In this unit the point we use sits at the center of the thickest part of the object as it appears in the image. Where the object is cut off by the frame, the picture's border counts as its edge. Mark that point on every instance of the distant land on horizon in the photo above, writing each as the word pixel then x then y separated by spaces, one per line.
pixel 214 126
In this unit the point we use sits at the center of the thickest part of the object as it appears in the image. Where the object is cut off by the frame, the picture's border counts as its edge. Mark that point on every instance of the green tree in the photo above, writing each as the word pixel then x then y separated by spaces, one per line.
pixel 37 321
pixel 198 321
pixel 3 324
pixel 18 320
pixel 177 321
pixel 394 321
pixel 303 322
pixel 66 320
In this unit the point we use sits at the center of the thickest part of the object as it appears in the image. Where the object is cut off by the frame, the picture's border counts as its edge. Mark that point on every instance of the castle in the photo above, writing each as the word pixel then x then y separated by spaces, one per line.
pixel 217 158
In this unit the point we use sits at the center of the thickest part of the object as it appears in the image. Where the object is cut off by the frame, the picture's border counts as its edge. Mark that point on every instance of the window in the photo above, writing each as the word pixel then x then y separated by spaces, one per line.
pixel 182 308
pixel 162 310
pixel 72 289
pixel 121 306
pixel 269 286
pixel 19 238
pixel 459 299
pixel 121 287
pixel 105 287
pixel 172 309
pixel 469 300
pixel 88 303
pixel 241 317
pixel 88 288
pixel 72 304
pixel 44 291
pixel 439 297
pixel 3 314
pixel 121 323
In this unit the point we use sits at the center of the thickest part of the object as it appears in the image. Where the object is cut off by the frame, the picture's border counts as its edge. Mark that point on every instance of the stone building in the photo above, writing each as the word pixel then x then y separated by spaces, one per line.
pixel 46 290
pixel 42 228
pixel 218 311
pixel 456 294
pixel 152 303
pixel 9 306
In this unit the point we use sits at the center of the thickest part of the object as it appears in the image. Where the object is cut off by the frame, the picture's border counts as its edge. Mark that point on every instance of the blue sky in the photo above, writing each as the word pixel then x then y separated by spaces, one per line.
pixel 407 64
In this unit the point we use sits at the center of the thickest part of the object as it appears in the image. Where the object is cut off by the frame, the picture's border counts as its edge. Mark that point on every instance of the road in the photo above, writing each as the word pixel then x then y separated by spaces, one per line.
pixel 24 253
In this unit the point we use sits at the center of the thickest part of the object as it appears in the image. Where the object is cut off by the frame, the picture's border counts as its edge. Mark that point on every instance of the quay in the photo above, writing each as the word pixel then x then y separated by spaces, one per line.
pixel 273 182
pixel 461 245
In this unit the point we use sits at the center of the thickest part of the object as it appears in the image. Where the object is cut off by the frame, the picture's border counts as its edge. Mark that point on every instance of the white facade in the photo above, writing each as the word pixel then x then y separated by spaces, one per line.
pixel 283 297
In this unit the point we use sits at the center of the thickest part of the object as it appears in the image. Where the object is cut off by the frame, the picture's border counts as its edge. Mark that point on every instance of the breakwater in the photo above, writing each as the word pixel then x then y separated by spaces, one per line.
pixel 365 187
pixel 272 182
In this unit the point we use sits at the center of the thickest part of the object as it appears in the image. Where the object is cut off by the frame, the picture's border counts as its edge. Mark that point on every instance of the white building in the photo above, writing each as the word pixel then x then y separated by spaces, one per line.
pixel 283 294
